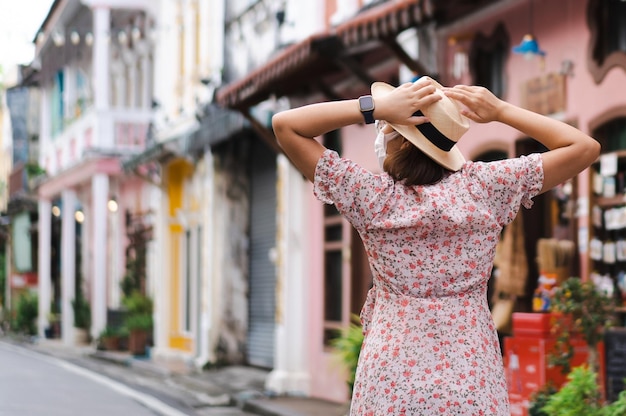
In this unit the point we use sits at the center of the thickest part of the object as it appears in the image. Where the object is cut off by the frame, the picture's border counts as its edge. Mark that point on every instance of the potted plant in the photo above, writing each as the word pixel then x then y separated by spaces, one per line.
pixel 26 313
pixel 138 321
pixel 54 321
pixel 540 398
pixel 82 318
pixel 583 311
pixel 348 347
pixel 109 338
pixel 581 395
pixel 54 325
pixel 139 327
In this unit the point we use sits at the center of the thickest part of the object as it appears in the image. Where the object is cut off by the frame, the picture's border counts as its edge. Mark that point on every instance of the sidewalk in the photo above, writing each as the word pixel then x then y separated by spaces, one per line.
pixel 235 390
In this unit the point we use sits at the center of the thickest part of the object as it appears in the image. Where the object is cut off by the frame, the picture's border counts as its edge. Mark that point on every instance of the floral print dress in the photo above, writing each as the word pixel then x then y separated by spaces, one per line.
pixel 430 346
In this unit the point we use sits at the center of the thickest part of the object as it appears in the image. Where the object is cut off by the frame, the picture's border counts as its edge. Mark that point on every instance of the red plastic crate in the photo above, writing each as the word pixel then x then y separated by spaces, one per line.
pixel 526 363
pixel 533 323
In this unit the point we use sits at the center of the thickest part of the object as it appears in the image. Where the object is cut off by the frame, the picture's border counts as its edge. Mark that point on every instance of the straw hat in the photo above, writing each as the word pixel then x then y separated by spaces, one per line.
pixel 438 138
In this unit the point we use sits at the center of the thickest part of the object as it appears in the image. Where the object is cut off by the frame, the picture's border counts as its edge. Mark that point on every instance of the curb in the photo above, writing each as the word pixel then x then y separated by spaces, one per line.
pixel 125 360
pixel 294 406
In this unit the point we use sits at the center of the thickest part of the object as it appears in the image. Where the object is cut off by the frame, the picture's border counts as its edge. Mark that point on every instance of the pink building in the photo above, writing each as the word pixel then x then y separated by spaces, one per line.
pixel 579 80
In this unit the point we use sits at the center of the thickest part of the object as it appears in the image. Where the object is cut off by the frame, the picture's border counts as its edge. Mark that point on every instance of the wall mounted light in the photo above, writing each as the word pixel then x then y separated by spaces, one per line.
pixel 135 34
pixel 74 37
pixel 56 211
pixel 122 37
pixel 112 205
pixel 58 38
pixel 89 38
pixel 79 216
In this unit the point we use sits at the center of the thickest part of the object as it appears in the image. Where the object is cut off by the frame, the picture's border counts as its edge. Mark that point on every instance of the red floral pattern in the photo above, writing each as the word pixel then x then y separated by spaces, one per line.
pixel 430 343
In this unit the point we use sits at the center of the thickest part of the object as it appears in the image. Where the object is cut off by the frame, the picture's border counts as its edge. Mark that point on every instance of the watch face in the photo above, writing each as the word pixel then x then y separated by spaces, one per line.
pixel 366 103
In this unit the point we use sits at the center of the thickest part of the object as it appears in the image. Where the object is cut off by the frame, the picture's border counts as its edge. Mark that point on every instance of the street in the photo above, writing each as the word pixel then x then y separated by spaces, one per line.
pixel 32 384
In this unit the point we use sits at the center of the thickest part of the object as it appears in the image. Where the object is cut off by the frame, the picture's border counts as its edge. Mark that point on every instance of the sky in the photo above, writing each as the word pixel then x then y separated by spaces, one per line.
pixel 19 22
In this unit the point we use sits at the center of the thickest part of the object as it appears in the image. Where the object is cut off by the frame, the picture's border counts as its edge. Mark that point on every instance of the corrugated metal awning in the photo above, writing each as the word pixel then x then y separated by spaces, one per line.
pixel 318 55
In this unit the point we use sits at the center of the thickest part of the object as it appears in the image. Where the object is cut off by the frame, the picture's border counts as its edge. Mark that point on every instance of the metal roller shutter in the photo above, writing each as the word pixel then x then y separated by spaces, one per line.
pixel 262 307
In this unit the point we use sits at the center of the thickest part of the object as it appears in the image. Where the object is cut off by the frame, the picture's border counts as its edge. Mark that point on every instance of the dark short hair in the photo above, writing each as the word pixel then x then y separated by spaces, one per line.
pixel 410 165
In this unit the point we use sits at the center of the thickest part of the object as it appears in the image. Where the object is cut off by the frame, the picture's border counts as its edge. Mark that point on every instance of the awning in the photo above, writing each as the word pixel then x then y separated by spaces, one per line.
pixel 335 54
pixel 216 126
pixel 158 153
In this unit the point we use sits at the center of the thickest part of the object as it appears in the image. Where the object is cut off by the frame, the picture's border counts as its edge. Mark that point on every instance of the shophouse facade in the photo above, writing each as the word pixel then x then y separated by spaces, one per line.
pixel 577 81
pixel 94 62
pixel 197 168
pixel 6 163
pixel 20 212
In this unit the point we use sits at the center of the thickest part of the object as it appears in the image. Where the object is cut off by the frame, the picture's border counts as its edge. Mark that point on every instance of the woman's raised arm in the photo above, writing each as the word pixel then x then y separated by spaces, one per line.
pixel 571 150
pixel 295 129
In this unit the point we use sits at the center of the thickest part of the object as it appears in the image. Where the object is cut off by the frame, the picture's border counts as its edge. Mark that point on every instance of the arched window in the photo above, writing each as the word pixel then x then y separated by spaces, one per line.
pixel 612 135
pixel 607 48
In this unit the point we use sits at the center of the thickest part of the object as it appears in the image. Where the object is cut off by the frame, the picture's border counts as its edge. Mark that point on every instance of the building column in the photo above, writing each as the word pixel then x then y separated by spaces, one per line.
pixel 104 135
pixel 68 264
pixel 69 91
pixel 133 75
pixel 45 121
pixel 101 24
pixel 44 274
pixel 146 82
pixel 99 197
pixel 291 370
pixel 157 265
pixel 202 341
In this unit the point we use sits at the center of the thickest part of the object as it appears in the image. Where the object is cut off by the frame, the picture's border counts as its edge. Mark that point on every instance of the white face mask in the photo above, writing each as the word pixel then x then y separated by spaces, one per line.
pixel 380 144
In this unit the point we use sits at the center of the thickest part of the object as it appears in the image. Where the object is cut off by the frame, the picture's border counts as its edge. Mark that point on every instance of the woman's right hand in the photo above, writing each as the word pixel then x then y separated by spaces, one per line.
pixel 399 105
pixel 571 150
pixel 481 105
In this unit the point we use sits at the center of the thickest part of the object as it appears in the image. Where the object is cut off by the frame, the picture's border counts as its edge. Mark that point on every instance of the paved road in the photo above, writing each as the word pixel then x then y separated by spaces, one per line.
pixel 32 384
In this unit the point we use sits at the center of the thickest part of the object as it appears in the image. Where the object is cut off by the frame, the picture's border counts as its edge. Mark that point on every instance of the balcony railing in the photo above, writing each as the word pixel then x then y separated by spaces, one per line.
pixel 118 131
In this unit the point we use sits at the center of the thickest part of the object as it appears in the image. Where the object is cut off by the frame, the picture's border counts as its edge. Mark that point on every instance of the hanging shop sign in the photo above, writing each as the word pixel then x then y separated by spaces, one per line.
pixel 545 94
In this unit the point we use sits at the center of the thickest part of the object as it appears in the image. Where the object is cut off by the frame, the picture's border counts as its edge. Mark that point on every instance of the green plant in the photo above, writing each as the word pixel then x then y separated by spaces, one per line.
pixel 579 396
pixel 82 312
pixel 3 278
pixel 53 317
pixel 55 313
pixel 139 321
pixel 583 310
pixel 348 347
pixel 137 303
pixel 110 337
pixel 618 407
pixel 130 283
pixel 540 398
pixel 27 310
pixel 139 311
pixel 109 332
pixel 33 169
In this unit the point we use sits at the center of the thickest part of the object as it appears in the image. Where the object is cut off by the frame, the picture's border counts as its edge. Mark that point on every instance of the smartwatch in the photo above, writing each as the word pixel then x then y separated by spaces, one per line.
pixel 366 105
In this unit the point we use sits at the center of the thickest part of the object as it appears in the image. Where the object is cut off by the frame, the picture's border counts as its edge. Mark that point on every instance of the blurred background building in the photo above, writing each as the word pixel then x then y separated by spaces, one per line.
pixel 143 161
